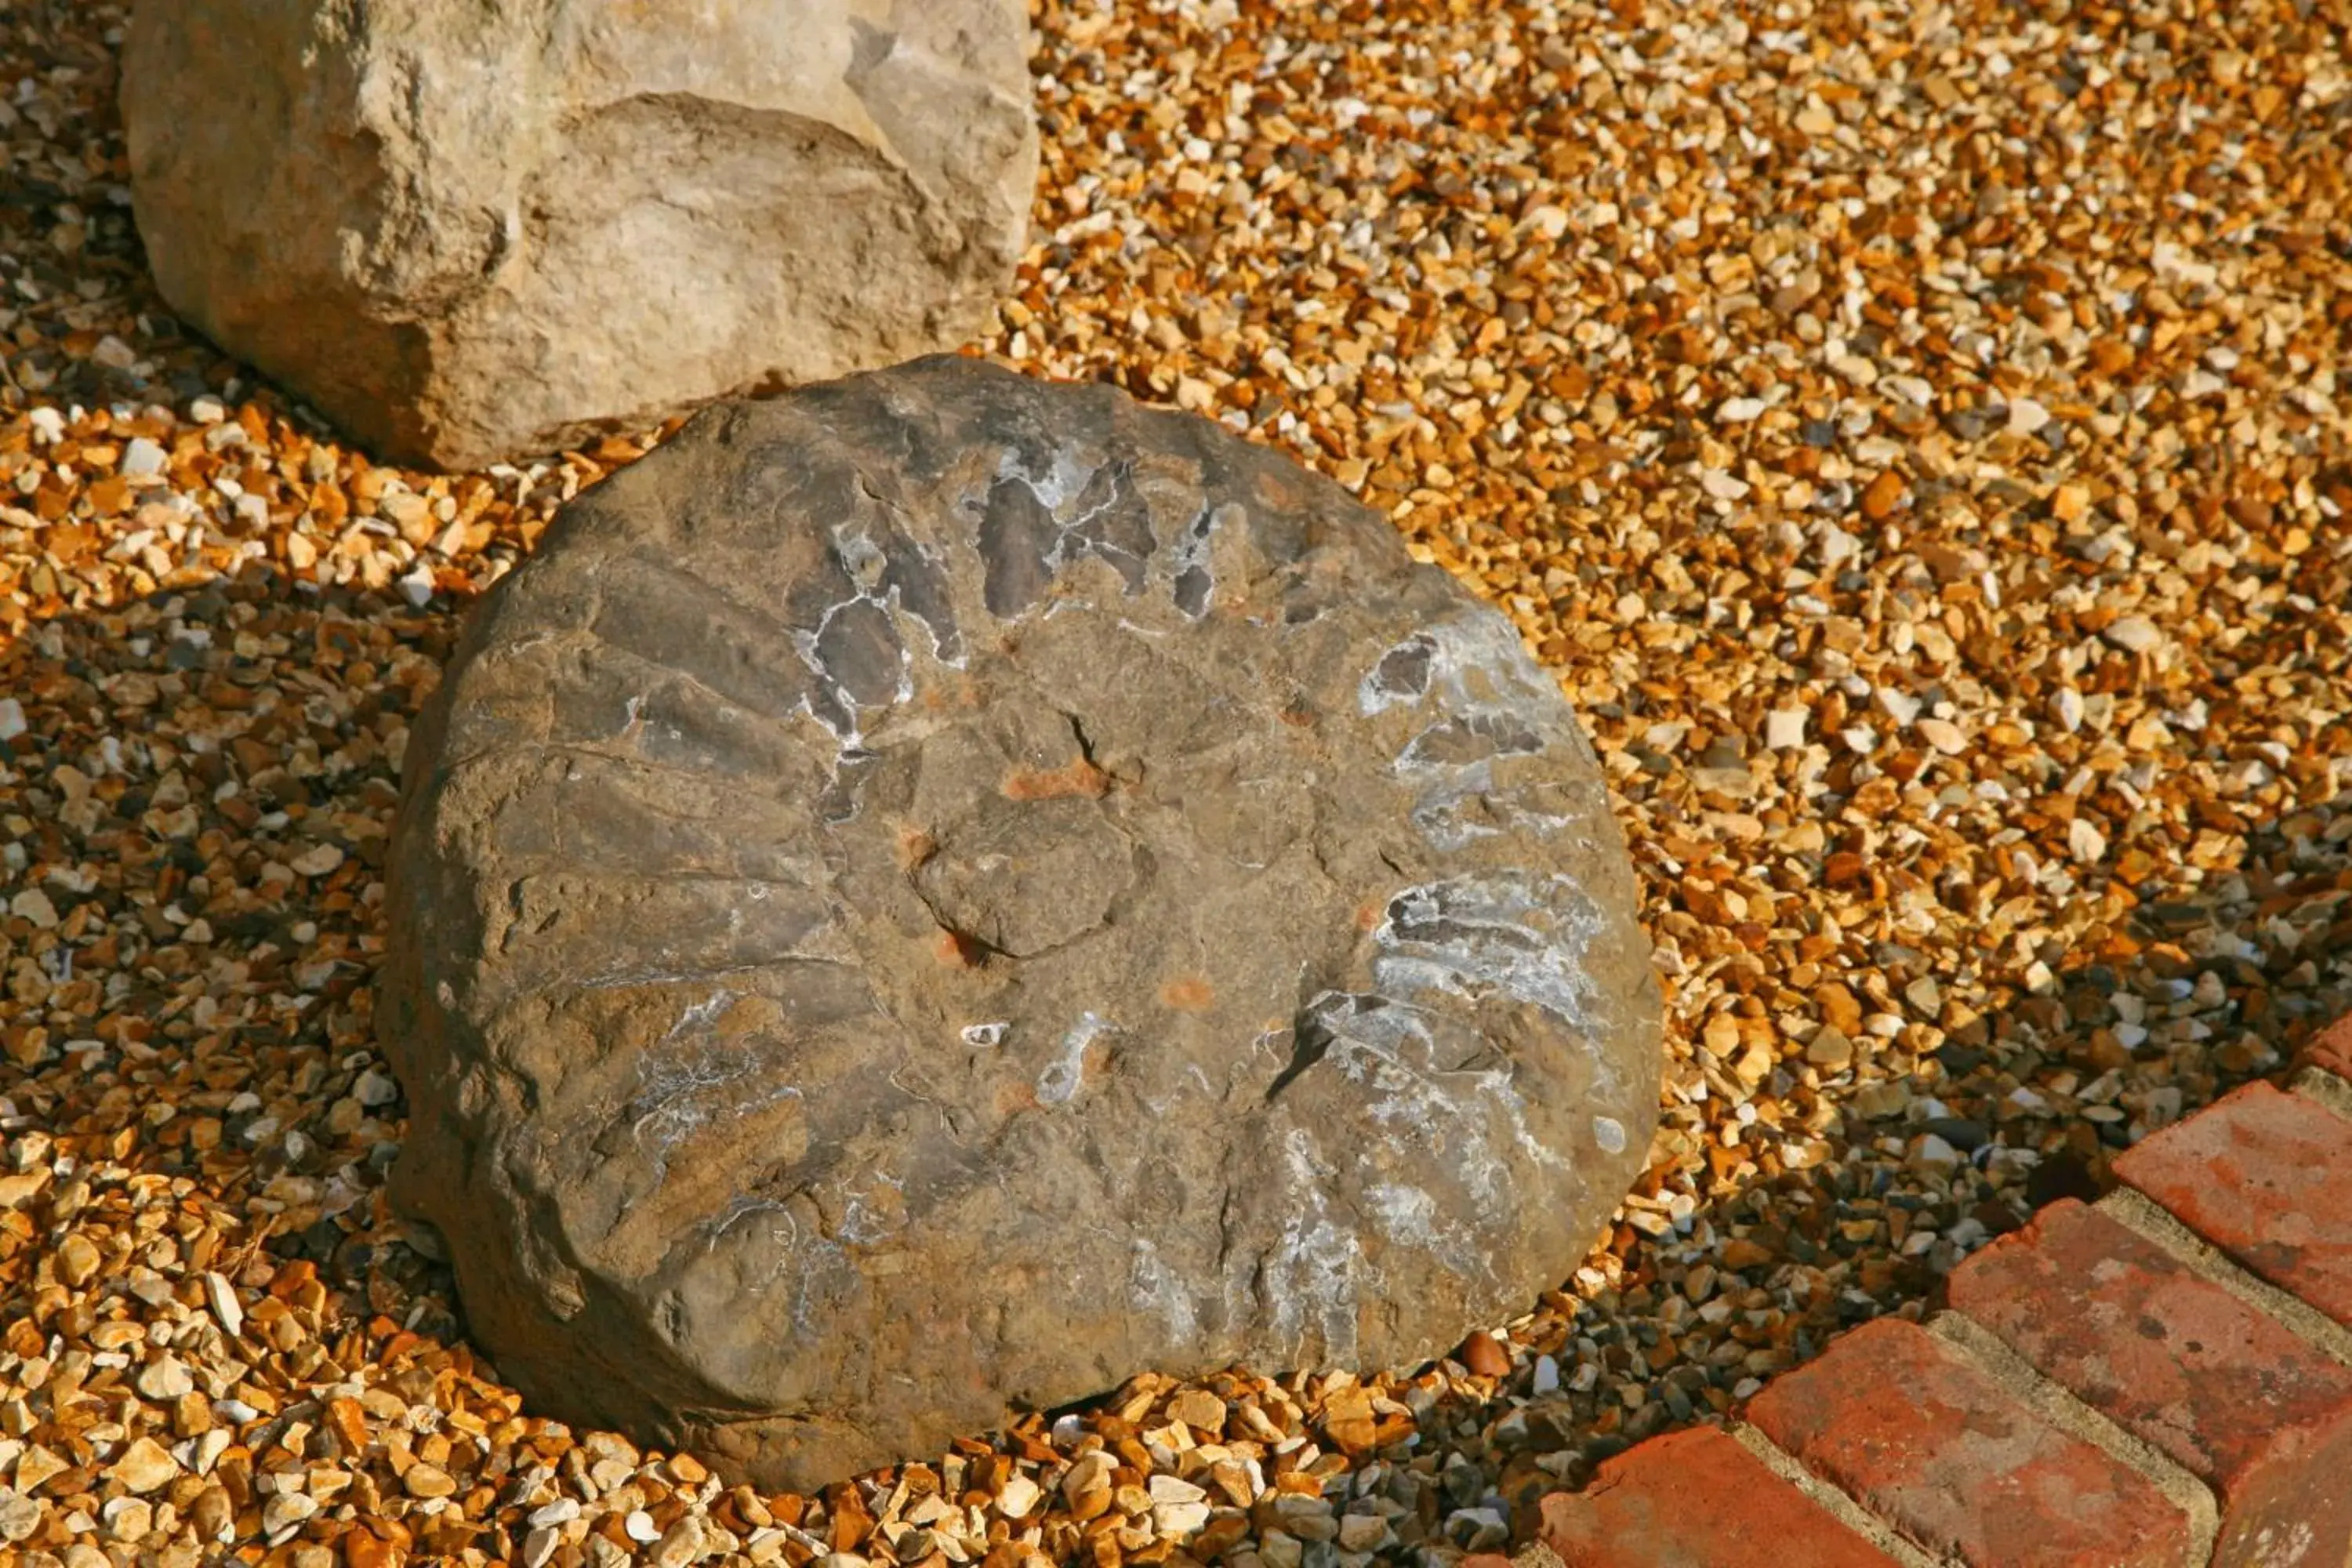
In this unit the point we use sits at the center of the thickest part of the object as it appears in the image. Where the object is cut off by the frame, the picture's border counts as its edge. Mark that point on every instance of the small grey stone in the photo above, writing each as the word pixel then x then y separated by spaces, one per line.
pixel 938 891
pixel 1965 1136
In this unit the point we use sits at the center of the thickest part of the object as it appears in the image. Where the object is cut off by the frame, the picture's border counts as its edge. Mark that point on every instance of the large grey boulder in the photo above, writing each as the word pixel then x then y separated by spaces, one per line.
pixel 937 892
pixel 469 230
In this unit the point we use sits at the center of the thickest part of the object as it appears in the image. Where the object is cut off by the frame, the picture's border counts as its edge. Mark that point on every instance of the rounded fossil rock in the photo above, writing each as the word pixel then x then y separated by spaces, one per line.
pixel 938 892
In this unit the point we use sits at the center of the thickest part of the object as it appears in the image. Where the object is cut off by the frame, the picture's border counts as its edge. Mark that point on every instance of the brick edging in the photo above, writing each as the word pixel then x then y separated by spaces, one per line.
pixel 2163 1377
pixel 2330 1051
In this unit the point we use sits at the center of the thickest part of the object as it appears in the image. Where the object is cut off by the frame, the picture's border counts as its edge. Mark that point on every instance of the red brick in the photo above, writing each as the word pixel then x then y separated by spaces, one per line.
pixel 2333 1049
pixel 2266 1177
pixel 2253 1409
pixel 1921 1436
pixel 1695 1499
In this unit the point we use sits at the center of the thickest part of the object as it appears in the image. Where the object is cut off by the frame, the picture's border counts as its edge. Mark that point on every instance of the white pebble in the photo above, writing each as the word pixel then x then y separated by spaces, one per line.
pixel 2068 705
pixel 12 718
pixel 1944 735
pixel 1930 1152
pixel 1177 1519
pixel 1900 706
pixel 1017 1497
pixel 1784 727
pixel 318 860
pixel 165 1378
pixel 223 1300
pixel 1548 221
pixel 141 458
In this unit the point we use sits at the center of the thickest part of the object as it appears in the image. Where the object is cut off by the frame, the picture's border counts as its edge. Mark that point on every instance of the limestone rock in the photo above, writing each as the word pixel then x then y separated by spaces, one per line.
pixel 469 230
pixel 940 891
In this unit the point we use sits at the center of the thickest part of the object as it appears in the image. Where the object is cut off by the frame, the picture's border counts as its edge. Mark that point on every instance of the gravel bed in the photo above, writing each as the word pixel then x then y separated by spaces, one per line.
pixel 1915 434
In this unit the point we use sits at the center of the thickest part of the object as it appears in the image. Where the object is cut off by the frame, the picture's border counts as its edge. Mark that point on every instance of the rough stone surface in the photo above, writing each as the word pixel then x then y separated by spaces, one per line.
pixel 469 230
pixel 940 891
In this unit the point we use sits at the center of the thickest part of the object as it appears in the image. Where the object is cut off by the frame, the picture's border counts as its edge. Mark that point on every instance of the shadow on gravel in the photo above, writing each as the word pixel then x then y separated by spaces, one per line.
pixel 206 779
pixel 2182 1001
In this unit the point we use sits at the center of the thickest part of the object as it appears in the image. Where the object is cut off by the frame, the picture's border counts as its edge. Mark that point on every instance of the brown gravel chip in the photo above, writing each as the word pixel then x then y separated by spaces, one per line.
pixel 1619 311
